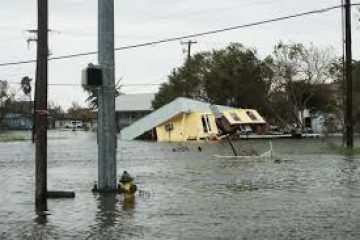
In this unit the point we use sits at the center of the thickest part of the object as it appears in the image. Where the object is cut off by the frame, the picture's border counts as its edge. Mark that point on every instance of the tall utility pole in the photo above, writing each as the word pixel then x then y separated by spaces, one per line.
pixel 41 105
pixel 348 74
pixel 28 41
pixel 188 43
pixel 107 125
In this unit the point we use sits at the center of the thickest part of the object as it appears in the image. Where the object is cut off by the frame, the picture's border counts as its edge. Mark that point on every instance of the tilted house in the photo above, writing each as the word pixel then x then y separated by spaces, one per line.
pixel 187 120
pixel 242 119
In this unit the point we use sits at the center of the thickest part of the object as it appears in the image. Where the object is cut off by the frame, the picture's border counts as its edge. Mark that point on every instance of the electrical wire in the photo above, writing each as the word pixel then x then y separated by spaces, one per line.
pixel 166 40
pixel 78 84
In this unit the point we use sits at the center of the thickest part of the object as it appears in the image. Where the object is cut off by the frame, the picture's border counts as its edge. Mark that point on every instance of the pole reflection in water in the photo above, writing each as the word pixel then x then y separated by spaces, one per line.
pixel 114 217
pixel 107 206
pixel 348 168
pixel 41 212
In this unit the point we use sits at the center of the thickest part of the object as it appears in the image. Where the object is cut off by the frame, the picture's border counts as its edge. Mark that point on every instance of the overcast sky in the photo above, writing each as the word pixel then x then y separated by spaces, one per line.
pixel 75 30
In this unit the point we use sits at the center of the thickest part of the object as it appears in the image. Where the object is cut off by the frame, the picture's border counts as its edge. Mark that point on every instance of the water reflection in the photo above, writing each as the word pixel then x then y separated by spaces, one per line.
pixel 41 212
pixel 107 209
pixel 348 168
pixel 128 202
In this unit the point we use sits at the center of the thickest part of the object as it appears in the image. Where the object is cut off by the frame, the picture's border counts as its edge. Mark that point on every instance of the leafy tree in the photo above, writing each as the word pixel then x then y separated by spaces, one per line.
pixel 26 89
pixel 293 78
pixel 79 113
pixel 301 73
pixel 337 72
pixel 233 76
pixel 26 85
pixel 55 111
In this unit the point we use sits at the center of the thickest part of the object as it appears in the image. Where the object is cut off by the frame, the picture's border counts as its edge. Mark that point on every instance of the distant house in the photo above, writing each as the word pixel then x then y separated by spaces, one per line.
pixel 188 120
pixel 131 107
pixel 17 121
pixel 19 116
pixel 322 122
pixel 69 121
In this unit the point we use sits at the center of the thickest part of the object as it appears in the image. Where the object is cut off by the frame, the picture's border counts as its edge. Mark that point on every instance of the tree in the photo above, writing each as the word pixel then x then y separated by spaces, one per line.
pixel 26 85
pixel 6 99
pixel 232 76
pixel 301 73
pixel 337 72
pixel 26 88
pixel 92 99
pixel 79 113
pixel 55 111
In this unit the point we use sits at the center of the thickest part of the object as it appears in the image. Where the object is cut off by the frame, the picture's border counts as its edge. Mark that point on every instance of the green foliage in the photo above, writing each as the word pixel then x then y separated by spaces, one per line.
pixel 337 72
pixel 293 78
pixel 301 77
pixel 232 76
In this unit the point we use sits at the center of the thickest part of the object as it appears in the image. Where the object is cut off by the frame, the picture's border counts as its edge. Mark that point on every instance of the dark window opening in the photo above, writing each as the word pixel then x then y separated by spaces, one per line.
pixel 251 115
pixel 205 123
pixel 235 117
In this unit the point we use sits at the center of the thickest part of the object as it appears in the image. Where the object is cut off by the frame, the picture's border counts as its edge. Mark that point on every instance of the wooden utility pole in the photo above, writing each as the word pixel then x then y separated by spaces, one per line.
pixel 348 74
pixel 107 125
pixel 188 43
pixel 41 105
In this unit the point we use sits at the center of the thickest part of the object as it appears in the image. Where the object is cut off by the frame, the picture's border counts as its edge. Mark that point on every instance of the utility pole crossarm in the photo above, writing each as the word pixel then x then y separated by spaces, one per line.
pixel 188 43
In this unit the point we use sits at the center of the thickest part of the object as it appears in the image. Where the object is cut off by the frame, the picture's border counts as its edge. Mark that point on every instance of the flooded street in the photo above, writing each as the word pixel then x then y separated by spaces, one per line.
pixel 310 194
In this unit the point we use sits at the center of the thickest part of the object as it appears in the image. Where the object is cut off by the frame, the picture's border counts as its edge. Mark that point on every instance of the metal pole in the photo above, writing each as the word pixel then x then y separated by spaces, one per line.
pixel 41 106
pixel 231 145
pixel 107 124
pixel 348 72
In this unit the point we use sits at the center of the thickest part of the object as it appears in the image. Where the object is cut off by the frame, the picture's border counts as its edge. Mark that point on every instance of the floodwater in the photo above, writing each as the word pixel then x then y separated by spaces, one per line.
pixel 309 193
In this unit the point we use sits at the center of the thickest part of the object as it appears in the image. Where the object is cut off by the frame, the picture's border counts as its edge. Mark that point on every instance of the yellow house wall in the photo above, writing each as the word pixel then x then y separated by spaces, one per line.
pixel 186 126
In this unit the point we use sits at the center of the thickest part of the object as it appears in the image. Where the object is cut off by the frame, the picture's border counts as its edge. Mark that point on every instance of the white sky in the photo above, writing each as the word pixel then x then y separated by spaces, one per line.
pixel 137 21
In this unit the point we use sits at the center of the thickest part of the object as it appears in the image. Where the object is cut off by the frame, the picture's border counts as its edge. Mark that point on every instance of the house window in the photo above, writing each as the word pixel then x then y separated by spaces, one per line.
pixel 235 117
pixel 251 115
pixel 205 123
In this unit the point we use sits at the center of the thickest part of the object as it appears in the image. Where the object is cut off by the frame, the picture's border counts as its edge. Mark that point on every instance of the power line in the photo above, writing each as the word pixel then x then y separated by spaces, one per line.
pixel 173 39
pixel 79 84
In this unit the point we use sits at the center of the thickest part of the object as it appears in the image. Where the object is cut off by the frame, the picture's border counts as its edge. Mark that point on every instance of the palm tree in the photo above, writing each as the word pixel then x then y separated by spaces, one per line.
pixel 26 88
pixel 93 94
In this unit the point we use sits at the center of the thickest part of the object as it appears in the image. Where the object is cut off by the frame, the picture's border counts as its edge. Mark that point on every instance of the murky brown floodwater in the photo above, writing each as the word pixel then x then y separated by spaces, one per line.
pixel 188 195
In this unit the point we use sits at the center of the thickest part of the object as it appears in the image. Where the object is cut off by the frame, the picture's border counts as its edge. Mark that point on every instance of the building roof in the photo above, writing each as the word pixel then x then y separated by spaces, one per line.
pixel 134 102
pixel 168 111
pixel 17 115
